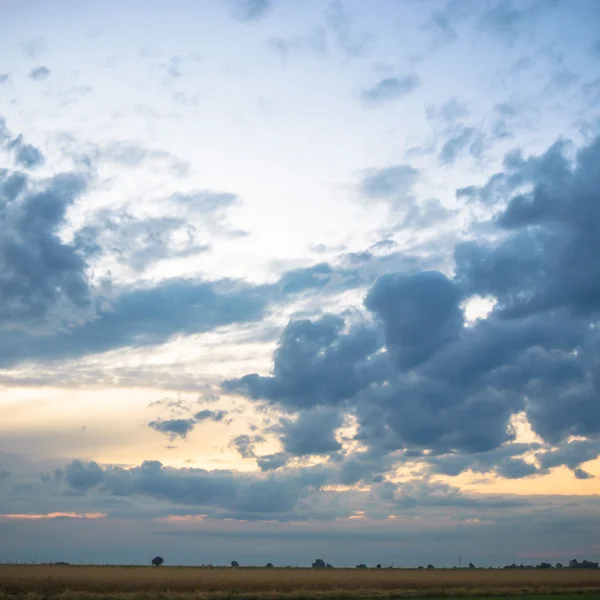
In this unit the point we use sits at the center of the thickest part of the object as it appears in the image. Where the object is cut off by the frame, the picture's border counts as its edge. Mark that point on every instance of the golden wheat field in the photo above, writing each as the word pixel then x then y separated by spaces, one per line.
pixel 54 581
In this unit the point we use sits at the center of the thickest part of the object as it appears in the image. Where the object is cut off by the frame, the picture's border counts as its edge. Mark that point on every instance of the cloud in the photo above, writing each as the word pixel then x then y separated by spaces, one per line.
pixel 249 10
pixel 220 494
pixel 43 279
pixel 139 242
pixel 315 42
pixel 130 154
pixel 25 155
pixel 145 316
pixel 448 113
pixel 244 444
pixel 420 314
pixel 437 383
pixel 269 462
pixel 173 428
pixel 312 432
pixel 390 183
pixel 210 415
pixel 570 454
pixel 352 43
pixel 509 20
pixel 4 78
pixel 39 73
pixel 389 88
pixel 316 364
pixel 34 47
pixel 54 515
pixel 463 139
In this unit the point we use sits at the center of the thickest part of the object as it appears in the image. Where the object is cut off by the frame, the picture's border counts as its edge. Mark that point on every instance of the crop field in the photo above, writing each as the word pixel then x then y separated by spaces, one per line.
pixel 121 583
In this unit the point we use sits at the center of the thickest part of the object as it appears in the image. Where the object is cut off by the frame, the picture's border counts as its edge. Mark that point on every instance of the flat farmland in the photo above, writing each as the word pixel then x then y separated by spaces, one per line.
pixel 118 582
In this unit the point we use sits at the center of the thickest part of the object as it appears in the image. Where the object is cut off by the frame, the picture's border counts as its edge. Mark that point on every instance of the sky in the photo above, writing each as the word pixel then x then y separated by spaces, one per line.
pixel 288 279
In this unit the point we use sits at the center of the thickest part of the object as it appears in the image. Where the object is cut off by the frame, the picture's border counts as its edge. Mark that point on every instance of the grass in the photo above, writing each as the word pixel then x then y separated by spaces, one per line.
pixel 37 582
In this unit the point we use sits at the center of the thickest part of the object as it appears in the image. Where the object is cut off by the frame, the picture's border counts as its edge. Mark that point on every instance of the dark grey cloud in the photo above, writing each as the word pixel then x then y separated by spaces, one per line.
pixel 312 432
pixel 389 88
pixel 221 493
pixel 173 428
pixel 249 10
pixel 571 454
pixel 500 460
pixel 315 364
pixel 42 278
pixel 420 314
pixel 436 383
pixel 39 73
pixel 145 316
pixel 270 462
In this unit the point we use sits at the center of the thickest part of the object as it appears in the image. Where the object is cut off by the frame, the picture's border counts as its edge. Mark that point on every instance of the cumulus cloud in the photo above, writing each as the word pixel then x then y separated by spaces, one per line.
pixel 43 279
pixel 389 88
pixel 422 379
pixel 312 432
pixel 316 364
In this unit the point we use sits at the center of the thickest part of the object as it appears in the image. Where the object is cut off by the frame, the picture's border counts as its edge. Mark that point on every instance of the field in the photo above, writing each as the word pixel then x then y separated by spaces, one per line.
pixel 185 583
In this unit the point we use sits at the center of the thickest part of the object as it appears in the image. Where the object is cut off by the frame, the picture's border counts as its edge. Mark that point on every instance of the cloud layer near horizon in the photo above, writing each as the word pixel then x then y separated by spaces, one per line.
pixel 378 304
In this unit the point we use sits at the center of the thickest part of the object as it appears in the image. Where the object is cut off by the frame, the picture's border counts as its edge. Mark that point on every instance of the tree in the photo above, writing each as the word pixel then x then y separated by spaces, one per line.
pixel 378 566
pixel 471 566
pixel 329 566
pixel 157 561
pixel 235 563
pixel 559 565
pixel 319 564
pixel 269 565
pixel 361 566
pixel 430 567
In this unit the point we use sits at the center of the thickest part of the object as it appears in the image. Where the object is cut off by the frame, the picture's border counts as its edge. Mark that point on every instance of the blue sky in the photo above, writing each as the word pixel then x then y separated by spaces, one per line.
pixel 318 275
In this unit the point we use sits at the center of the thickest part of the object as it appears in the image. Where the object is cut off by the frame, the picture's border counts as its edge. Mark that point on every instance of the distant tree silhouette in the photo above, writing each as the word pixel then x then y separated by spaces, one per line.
pixel 269 565
pixel 559 565
pixel 361 566
pixel 378 566
pixel 319 564
pixel 329 566
pixel 584 564
pixel 430 567
pixel 420 568
pixel 544 565
pixel 235 563
pixel 472 566
pixel 157 561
